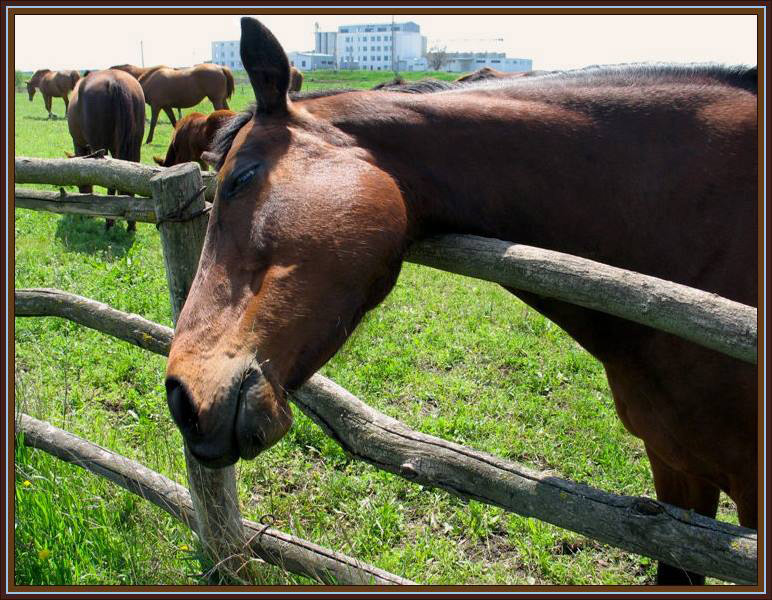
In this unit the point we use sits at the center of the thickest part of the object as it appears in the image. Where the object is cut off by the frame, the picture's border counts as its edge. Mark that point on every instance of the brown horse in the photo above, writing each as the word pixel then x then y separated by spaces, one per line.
pixel 193 136
pixel 647 168
pixel 52 84
pixel 296 80
pixel 108 113
pixel 167 88
pixel 137 72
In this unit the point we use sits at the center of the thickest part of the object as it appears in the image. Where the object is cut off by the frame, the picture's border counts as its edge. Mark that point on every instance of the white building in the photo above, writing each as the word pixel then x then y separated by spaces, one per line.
pixel 378 46
pixel 227 54
pixel 462 62
pixel 310 61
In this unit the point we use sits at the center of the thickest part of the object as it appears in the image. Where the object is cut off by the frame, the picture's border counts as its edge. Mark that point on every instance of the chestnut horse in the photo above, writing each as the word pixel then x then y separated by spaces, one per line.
pixel 52 84
pixel 192 137
pixel 108 113
pixel 138 72
pixel 166 88
pixel 647 168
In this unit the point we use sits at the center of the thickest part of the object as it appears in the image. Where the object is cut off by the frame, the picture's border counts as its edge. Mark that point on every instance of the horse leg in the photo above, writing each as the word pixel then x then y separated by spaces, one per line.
pixel 179 113
pixel 154 110
pixel 48 101
pixel 131 225
pixel 66 103
pixel 170 113
pixel 218 105
pixel 684 491
pixel 109 222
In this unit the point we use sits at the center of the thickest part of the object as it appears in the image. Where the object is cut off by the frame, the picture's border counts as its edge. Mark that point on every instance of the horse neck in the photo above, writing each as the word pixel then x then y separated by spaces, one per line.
pixel 458 167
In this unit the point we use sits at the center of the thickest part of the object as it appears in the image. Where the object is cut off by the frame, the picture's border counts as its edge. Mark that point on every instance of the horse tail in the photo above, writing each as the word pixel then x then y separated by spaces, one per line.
pixel 129 123
pixel 74 76
pixel 229 83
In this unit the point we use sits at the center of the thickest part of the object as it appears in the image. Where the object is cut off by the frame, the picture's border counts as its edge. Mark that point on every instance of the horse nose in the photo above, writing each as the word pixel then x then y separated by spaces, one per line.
pixel 181 406
pixel 210 442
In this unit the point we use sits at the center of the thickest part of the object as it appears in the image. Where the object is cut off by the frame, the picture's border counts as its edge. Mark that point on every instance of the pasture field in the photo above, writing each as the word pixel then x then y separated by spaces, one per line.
pixel 450 356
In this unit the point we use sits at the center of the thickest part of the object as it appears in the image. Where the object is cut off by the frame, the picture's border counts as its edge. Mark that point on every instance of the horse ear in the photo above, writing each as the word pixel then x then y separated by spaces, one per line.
pixel 267 66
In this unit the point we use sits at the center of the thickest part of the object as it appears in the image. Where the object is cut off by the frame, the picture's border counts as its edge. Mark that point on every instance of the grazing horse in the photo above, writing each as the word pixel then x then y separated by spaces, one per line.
pixel 646 168
pixel 108 113
pixel 486 73
pixel 52 84
pixel 167 88
pixel 296 79
pixel 193 136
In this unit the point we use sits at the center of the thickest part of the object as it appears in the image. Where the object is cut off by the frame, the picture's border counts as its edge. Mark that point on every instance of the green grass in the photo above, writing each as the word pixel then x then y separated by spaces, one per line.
pixel 453 357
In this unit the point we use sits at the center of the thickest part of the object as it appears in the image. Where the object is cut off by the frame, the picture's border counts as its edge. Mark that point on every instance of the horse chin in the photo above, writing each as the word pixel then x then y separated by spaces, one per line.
pixel 263 416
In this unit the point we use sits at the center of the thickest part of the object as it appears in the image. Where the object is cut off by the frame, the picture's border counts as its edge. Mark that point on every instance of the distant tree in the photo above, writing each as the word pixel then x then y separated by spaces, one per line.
pixel 437 57
pixel 19 80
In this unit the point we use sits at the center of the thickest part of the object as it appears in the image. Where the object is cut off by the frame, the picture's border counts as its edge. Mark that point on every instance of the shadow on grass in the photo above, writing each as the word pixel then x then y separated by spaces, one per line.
pixel 89 236
pixel 54 118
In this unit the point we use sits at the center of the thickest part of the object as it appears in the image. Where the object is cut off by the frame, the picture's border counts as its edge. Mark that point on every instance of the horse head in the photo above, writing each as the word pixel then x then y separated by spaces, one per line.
pixel 306 234
pixel 31 88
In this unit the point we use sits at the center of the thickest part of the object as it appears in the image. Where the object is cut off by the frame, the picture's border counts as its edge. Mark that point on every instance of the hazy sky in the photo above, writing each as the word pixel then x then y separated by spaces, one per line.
pixel 551 41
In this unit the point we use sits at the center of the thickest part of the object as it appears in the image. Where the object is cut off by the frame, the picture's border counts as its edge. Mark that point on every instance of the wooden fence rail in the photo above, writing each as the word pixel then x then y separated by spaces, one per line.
pixel 640 525
pixel 132 208
pixel 125 176
pixel 273 546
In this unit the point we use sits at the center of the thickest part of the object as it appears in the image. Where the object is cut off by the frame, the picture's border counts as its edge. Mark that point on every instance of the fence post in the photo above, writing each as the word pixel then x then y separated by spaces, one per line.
pixel 213 491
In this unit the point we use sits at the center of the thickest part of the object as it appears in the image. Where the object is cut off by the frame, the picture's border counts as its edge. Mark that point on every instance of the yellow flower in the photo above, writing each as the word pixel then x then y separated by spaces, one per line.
pixel 27 483
pixel 185 547
pixel 44 554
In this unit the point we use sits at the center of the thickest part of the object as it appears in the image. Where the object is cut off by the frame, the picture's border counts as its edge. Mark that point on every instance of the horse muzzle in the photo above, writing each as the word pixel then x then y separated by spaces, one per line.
pixel 251 416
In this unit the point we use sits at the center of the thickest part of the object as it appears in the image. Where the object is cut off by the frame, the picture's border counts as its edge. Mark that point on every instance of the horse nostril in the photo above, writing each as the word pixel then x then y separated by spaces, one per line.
pixel 180 405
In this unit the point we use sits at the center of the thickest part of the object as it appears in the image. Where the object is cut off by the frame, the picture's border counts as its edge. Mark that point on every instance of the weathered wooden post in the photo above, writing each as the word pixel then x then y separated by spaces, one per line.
pixel 178 192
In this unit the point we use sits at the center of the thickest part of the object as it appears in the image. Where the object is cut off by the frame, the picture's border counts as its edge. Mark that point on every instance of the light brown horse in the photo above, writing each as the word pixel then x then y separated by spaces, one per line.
pixel 52 84
pixel 167 88
pixel 137 72
pixel 193 136
pixel 647 168
pixel 107 113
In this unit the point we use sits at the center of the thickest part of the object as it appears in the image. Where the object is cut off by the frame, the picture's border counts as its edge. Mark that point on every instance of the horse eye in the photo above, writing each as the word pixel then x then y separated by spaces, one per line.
pixel 243 178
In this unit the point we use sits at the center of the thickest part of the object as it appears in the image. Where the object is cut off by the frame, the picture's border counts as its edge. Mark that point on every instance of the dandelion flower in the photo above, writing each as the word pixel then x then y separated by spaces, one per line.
pixel 44 554
pixel 27 483
pixel 185 547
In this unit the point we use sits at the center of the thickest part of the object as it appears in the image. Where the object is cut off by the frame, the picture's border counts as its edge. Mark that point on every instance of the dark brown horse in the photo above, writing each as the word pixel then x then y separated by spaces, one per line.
pixel 52 84
pixel 108 113
pixel 486 73
pixel 193 136
pixel 166 88
pixel 651 169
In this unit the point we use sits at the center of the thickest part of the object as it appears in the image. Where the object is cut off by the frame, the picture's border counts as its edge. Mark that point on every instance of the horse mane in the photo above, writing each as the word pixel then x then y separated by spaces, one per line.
pixel 626 74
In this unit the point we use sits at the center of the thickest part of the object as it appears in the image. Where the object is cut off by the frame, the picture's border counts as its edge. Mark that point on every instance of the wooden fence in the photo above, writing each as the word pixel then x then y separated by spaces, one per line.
pixel 641 525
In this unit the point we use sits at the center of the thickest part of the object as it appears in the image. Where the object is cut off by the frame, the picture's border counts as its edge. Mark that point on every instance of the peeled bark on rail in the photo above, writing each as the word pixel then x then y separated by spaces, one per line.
pixel 701 317
pixel 131 208
pixel 640 525
pixel 275 547
pixel 122 175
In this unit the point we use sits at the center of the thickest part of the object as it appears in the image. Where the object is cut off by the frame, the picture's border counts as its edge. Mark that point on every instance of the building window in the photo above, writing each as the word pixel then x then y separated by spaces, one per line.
pixel 495 61
pixel 381 29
